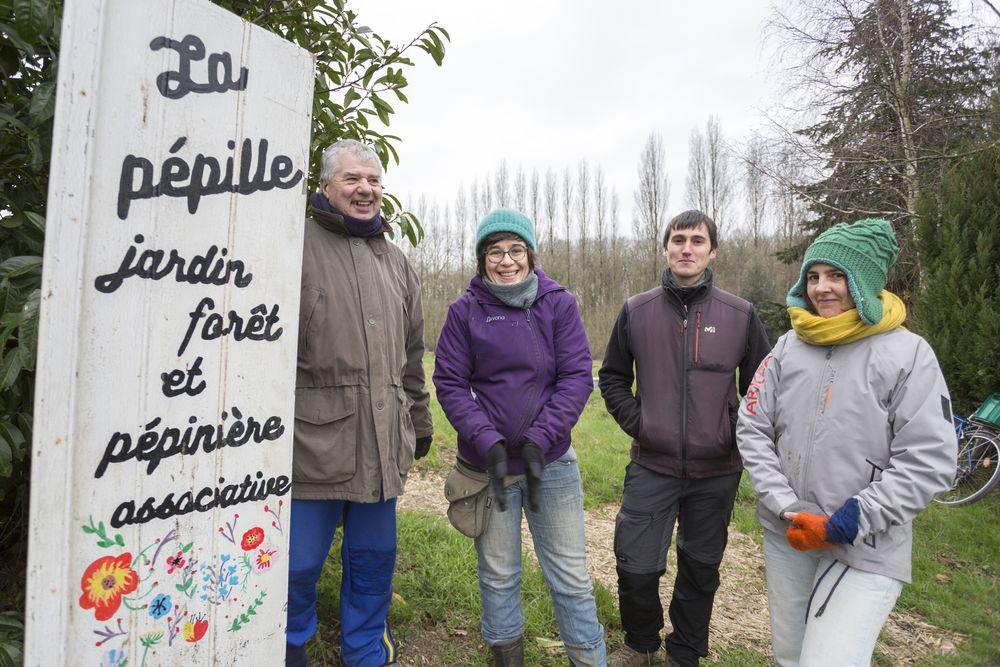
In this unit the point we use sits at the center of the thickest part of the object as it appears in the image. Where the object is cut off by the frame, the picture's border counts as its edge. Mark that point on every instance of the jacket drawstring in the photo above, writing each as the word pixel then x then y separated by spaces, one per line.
pixel 819 612
pixel 822 607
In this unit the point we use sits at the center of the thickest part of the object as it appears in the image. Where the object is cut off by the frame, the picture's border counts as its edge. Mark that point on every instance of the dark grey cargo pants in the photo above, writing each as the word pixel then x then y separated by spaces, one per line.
pixel 650 505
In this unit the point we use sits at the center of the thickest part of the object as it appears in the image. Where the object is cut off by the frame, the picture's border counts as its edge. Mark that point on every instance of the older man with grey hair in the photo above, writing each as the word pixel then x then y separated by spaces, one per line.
pixel 361 408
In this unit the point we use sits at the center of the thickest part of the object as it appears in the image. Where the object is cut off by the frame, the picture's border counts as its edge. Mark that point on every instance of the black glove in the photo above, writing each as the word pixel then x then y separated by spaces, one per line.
pixel 496 468
pixel 423 446
pixel 534 463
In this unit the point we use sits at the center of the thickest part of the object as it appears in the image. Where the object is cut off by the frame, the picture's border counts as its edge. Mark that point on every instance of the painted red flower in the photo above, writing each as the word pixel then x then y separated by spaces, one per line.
pixel 174 562
pixel 194 629
pixel 252 539
pixel 104 583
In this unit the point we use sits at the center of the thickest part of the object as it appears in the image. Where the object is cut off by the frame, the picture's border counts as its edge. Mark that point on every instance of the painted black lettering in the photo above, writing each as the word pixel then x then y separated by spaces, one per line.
pixel 176 84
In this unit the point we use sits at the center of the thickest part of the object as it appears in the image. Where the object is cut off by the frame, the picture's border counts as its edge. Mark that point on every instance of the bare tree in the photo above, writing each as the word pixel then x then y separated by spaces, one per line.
pixel 520 189
pixel 651 199
pixel 551 201
pixel 476 203
pixel 462 222
pixel 534 204
pixel 710 181
pixel 567 202
pixel 600 230
pixel 501 190
pixel 583 211
pixel 755 186
pixel 486 201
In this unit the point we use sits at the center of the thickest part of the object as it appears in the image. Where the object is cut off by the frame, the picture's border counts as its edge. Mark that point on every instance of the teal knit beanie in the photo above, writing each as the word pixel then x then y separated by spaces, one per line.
pixel 506 220
pixel 864 251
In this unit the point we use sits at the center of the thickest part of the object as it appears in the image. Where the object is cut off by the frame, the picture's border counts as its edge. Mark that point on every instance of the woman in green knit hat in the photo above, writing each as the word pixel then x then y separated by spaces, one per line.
pixel 846 433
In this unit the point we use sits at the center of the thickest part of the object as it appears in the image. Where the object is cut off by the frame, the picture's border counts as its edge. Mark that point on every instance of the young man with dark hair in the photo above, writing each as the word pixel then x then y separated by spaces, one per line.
pixel 683 344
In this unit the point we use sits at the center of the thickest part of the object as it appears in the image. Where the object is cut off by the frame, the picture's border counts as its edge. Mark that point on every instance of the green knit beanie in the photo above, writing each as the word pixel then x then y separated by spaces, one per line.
pixel 864 251
pixel 506 220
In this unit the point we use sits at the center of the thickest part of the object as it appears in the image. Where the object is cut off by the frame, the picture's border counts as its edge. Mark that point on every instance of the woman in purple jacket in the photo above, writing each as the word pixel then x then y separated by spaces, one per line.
pixel 513 373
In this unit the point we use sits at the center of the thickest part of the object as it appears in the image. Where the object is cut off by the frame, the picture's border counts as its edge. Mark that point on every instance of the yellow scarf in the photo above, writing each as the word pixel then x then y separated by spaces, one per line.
pixel 848 326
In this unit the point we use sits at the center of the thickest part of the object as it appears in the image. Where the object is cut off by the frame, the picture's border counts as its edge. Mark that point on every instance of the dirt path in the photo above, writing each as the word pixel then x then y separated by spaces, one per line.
pixel 740 618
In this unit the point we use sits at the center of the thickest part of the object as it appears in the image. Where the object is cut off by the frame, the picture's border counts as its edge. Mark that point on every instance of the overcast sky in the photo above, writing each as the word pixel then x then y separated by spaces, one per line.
pixel 546 84
pixel 549 83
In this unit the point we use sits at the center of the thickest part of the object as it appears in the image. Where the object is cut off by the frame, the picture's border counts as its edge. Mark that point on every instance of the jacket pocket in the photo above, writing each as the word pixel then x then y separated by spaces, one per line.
pixel 326 434
pixel 407 435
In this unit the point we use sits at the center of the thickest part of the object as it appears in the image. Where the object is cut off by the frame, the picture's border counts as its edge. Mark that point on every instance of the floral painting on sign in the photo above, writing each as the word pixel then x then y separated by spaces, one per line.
pixel 164 590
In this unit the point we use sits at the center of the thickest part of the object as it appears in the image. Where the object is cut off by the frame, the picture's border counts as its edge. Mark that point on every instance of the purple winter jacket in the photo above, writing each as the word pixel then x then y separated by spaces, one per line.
pixel 504 373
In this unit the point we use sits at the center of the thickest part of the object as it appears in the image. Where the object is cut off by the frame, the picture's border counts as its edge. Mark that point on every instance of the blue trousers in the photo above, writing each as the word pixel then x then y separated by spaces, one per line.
pixel 368 557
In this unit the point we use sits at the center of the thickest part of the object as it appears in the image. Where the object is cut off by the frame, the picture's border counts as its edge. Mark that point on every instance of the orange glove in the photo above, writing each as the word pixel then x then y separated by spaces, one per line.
pixel 808 531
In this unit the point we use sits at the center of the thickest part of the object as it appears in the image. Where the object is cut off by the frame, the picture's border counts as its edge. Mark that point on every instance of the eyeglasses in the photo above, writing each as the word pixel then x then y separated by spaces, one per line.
pixel 517 253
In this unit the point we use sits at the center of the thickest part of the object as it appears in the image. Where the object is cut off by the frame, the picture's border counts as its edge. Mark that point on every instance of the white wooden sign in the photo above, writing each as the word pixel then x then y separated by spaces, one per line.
pixel 165 388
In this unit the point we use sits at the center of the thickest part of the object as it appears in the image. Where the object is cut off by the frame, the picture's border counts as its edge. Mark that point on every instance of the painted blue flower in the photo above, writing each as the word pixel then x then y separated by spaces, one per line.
pixel 234 580
pixel 113 658
pixel 160 606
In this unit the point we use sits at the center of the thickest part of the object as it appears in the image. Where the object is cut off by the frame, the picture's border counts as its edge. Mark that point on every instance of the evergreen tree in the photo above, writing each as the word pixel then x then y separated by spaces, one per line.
pixel 959 246
pixel 901 86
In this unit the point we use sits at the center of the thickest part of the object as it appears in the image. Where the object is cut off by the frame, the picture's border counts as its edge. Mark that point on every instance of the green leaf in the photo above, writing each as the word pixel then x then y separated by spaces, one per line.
pixel 16 266
pixel 37 220
pixel 43 102
pixel 10 369
pixel 29 17
pixel 14 439
pixel 6 458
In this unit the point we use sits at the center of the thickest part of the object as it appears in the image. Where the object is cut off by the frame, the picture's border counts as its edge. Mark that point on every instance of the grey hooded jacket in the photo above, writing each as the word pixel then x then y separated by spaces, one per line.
pixel 870 419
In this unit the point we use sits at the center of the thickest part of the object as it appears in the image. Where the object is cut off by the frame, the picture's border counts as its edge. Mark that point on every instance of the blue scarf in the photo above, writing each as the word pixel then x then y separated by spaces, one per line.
pixel 354 226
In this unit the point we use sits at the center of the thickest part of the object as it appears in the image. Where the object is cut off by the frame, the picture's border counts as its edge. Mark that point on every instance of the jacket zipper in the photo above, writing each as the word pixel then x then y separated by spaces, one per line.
pixel 824 382
pixel 697 335
pixel 527 414
pixel 684 396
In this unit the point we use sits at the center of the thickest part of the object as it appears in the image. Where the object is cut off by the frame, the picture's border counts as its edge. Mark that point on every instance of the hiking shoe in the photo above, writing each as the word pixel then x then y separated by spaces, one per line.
pixel 670 662
pixel 626 656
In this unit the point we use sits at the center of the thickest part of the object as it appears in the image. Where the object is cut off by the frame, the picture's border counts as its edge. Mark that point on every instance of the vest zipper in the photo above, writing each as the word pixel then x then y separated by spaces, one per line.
pixel 684 395
pixel 697 335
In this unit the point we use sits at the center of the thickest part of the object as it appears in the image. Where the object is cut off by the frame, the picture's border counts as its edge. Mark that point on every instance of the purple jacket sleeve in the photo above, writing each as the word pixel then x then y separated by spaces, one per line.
pixel 452 371
pixel 574 379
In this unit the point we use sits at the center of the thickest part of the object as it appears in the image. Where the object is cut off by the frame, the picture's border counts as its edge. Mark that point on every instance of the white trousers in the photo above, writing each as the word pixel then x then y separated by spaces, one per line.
pixel 846 607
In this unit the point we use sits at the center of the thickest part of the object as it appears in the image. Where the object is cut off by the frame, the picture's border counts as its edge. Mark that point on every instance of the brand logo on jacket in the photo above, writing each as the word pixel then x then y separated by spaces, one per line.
pixel 709 329
pixel 493 318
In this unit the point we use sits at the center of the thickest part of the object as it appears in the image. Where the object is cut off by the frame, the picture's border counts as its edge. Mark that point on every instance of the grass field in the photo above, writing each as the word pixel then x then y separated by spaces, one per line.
pixel 955 568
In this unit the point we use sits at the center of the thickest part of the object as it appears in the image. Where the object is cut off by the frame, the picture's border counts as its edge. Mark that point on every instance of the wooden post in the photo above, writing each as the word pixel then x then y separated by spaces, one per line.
pixel 169 316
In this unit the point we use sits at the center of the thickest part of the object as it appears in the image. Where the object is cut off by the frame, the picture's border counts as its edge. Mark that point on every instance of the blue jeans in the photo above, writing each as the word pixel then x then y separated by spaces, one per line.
pixel 846 607
pixel 557 530
pixel 368 557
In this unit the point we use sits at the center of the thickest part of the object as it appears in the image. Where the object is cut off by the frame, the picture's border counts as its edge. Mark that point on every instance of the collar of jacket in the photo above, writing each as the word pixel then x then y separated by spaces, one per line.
pixel 332 222
pixel 478 289
pixel 676 292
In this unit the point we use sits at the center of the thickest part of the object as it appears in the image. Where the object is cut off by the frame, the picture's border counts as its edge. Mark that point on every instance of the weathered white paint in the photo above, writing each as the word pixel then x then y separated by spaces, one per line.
pixel 101 355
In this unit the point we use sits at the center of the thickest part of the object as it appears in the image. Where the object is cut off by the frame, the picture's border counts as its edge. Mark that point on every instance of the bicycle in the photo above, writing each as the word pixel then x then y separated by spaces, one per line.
pixel 978 469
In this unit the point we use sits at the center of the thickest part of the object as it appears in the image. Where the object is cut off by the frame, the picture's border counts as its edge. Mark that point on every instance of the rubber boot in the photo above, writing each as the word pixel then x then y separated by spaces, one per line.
pixel 510 654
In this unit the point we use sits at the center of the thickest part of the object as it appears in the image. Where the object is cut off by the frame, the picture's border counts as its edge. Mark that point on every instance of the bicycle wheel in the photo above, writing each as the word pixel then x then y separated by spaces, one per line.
pixel 978 468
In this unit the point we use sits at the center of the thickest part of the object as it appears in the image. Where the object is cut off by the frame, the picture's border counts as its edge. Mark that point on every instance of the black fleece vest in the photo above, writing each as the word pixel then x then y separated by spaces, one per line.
pixel 686 380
